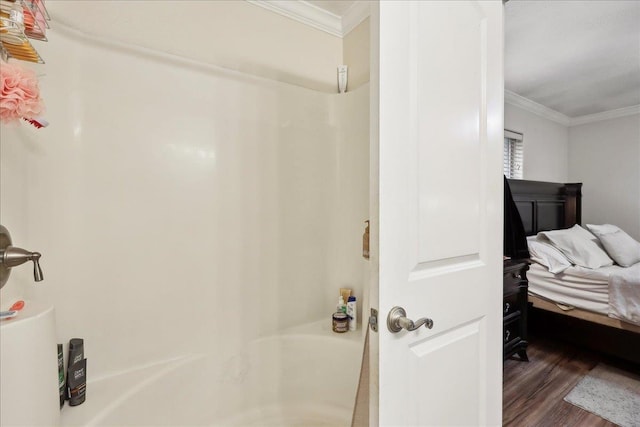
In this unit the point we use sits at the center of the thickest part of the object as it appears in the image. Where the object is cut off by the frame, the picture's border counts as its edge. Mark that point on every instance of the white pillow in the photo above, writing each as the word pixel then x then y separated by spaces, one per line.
pixel 624 250
pixel 602 229
pixel 578 245
pixel 547 255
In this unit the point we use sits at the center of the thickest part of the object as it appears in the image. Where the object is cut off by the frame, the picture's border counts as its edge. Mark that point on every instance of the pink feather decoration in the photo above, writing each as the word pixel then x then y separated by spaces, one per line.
pixel 19 93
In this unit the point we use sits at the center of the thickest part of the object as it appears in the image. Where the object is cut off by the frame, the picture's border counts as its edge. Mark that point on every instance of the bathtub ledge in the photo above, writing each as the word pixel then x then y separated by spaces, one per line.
pixel 107 393
pixel 322 328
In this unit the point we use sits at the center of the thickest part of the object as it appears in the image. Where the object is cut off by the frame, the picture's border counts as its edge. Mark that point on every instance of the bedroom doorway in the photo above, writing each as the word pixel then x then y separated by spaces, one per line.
pixel 553 57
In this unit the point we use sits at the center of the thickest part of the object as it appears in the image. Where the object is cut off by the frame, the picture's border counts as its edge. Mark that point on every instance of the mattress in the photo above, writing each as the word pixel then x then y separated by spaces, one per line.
pixel 576 287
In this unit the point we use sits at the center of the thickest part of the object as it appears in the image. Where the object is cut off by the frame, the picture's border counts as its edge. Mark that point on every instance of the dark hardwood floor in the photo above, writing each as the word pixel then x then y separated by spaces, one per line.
pixel 533 392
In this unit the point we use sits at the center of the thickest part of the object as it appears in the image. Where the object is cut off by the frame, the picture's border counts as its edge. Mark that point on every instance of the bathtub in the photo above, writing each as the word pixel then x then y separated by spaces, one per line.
pixel 306 376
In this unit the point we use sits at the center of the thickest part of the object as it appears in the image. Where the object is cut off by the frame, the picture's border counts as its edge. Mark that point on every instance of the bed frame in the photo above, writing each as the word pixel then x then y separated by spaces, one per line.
pixel 547 206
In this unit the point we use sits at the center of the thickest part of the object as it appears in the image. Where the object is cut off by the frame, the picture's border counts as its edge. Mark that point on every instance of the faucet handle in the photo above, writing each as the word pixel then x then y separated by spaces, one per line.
pixel 37 271
pixel 10 256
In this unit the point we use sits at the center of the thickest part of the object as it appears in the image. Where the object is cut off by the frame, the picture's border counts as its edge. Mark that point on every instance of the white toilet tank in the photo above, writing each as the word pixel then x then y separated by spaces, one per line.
pixel 29 368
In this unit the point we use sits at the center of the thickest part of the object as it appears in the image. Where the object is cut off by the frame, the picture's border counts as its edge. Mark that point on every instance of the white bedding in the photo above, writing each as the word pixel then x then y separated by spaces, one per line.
pixel 612 290
pixel 585 275
pixel 624 294
pixel 570 290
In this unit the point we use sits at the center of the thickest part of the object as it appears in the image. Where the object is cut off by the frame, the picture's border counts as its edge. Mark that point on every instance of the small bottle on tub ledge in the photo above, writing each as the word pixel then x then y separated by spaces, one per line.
pixel 352 313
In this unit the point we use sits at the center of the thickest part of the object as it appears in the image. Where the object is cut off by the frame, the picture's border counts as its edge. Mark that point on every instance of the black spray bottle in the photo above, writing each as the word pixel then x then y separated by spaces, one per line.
pixel 76 372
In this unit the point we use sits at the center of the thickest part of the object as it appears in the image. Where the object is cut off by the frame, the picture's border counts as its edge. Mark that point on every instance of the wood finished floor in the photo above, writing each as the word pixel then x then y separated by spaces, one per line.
pixel 533 392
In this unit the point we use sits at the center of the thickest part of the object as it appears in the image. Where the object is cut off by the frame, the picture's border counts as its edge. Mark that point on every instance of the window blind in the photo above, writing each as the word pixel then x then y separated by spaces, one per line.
pixel 513 154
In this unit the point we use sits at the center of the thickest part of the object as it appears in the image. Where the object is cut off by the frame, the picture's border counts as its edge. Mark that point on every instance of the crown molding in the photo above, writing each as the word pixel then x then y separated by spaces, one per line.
pixel 605 115
pixel 317 17
pixel 357 13
pixel 546 112
pixel 305 13
pixel 535 108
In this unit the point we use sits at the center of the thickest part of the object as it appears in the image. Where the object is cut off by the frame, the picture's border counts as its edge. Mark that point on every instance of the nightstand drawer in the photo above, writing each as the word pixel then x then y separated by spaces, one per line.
pixel 510 304
pixel 512 284
pixel 511 331
pixel 514 308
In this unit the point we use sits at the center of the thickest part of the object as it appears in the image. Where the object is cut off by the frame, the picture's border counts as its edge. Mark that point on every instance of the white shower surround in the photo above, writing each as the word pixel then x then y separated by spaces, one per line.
pixel 182 208
pixel 305 376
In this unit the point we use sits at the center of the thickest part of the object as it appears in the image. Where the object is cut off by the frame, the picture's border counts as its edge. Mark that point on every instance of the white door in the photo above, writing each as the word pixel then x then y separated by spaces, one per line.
pixel 437 150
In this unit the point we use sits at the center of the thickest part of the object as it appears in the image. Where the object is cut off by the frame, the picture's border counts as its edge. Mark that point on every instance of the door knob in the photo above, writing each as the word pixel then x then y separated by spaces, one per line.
pixel 397 320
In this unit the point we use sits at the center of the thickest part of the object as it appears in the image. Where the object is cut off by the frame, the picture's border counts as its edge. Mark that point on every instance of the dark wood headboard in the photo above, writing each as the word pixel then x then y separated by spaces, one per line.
pixel 547 205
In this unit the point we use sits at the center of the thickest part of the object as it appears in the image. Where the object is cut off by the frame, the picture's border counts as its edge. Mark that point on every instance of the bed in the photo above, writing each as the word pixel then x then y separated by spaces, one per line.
pixel 572 307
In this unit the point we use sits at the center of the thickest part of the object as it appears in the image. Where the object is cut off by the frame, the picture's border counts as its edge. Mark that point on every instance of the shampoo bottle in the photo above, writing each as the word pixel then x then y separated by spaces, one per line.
pixel 352 313
pixel 76 372
pixel 341 307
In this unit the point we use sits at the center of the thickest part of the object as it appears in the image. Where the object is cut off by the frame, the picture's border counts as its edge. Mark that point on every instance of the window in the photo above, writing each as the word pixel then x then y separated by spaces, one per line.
pixel 512 159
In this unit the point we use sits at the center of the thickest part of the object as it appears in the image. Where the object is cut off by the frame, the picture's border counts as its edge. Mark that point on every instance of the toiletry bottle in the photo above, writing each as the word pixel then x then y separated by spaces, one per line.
pixel 346 293
pixel 340 322
pixel 341 307
pixel 76 372
pixel 61 389
pixel 352 313
pixel 77 383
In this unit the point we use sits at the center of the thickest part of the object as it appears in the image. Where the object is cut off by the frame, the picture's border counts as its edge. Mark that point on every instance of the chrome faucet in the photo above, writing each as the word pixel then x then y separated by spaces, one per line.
pixel 11 256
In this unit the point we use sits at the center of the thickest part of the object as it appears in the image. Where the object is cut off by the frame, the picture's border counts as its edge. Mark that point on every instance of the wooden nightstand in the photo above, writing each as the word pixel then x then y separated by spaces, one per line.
pixel 514 308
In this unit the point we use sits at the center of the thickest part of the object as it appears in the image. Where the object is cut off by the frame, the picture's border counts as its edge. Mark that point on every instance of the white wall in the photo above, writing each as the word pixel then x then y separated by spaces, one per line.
pixel 348 268
pixel 605 157
pixel 546 144
pixel 171 200
pixel 356 54
pixel 230 33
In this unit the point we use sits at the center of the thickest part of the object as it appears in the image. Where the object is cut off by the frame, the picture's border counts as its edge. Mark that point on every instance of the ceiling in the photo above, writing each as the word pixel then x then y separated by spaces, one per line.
pixel 574 57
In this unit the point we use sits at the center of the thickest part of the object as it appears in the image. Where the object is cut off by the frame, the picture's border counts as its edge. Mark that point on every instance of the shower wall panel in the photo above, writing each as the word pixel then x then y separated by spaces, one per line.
pixel 179 208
